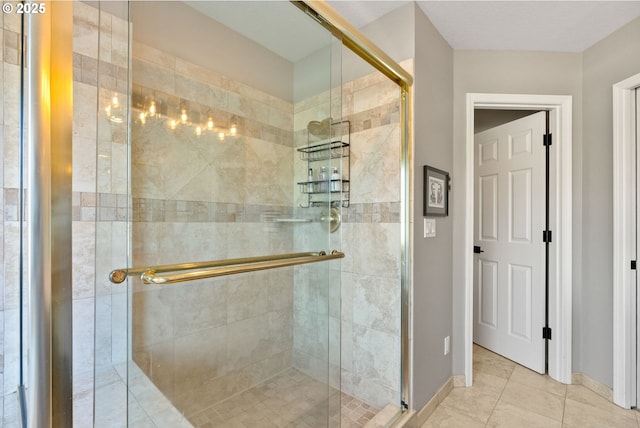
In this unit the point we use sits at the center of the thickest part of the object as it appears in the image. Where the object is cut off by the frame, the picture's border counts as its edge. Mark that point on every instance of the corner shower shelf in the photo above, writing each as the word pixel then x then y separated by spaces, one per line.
pixel 328 192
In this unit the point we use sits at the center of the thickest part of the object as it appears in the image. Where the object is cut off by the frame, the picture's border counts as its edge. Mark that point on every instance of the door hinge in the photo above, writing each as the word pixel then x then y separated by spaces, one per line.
pixel 633 264
pixel 547 140
pixel 546 333
pixel 546 236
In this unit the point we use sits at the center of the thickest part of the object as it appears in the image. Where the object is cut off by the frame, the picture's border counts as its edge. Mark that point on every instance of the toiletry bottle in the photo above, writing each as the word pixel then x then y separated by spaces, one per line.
pixel 335 180
pixel 323 177
pixel 310 185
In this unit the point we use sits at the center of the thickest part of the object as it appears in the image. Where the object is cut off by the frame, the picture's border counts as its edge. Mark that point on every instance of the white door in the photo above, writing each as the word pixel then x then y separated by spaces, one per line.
pixel 509 275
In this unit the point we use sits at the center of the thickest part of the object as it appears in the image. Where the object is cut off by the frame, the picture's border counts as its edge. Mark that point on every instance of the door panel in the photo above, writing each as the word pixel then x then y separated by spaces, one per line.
pixel 489 207
pixel 510 213
pixel 520 297
pixel 488 287
pixel 520 206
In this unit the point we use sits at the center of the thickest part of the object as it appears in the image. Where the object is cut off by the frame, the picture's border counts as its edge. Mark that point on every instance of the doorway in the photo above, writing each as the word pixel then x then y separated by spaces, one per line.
pixel 511 206
pixel 625 238
pixel 560 262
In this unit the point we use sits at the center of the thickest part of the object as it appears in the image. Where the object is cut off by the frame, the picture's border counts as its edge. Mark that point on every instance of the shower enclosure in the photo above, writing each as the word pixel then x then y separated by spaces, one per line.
pixel 239 213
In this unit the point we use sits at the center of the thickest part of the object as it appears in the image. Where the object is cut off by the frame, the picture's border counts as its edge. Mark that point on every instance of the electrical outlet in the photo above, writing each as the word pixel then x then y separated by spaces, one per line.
pixel 447 345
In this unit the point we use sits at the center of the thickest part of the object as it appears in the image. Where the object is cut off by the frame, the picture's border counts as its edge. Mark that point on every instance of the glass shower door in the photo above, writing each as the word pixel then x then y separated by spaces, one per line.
pixel 208 167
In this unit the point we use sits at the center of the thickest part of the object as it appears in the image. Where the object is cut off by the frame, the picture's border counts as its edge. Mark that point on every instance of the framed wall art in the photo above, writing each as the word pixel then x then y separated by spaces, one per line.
pixel 436 192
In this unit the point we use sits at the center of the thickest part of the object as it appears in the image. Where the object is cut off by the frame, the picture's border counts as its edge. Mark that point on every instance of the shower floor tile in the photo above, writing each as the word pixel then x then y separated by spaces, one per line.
pixel 289 399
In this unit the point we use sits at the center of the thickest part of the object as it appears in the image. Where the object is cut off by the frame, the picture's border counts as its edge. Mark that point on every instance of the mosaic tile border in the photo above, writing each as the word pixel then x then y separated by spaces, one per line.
pixel 88 206
pixel 377 212
pixel 112 77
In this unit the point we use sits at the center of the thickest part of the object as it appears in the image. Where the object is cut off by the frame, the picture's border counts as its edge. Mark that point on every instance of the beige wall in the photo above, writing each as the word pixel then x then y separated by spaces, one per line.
pixel 433 257
pixel 609 61
pixel 518 73
pixel 588 77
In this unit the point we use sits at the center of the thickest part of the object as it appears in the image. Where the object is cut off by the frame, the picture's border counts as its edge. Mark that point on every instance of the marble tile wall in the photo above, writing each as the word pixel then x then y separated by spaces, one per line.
pixel 364 312
pixel 100 72
pixel 198 198
pixel 9 220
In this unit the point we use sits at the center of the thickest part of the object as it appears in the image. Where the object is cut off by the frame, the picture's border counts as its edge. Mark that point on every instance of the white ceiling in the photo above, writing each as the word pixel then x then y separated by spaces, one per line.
pixel 275 25
pixel 543 25
pixel 563 26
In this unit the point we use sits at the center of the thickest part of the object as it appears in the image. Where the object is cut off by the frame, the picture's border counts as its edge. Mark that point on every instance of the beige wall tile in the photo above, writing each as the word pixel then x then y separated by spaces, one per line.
pixel 148 75
pixel 155 56
pixel 376 303
pixel 375 154
pixel 200 306
pixel 85 30
pixel 83 333
pixel 11 352
pixel 155 325
pixel 374 95
pixel 83 256
pixel 11 156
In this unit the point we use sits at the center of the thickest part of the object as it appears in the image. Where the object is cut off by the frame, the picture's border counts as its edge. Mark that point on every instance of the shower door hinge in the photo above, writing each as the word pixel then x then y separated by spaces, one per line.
pixel 546 140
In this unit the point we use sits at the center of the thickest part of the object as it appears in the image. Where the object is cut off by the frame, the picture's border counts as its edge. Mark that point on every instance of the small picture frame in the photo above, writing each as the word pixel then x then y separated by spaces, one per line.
pixel 436 192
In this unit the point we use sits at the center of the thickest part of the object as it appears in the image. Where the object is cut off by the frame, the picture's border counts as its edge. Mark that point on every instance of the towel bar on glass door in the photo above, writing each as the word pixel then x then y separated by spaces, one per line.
pixel 220 267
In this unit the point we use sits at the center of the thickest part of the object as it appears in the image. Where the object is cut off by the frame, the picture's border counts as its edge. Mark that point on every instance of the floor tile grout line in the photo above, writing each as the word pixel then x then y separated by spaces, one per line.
pixel 500 396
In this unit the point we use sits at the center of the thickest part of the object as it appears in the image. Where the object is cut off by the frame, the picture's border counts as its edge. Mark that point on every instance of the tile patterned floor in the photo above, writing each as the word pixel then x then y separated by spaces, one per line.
pixel 505 394
pixel 290 399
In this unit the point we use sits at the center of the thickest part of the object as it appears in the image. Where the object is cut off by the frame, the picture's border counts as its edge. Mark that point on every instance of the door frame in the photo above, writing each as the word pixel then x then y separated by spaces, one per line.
pixel 624 242
pixel 560 296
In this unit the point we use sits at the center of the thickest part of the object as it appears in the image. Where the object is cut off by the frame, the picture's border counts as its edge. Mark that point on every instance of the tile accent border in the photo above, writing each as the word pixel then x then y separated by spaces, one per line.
pixel 89 70
pixel 88 206
pixel 160 210
pixel 376 212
